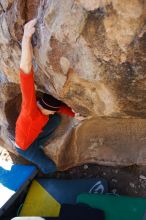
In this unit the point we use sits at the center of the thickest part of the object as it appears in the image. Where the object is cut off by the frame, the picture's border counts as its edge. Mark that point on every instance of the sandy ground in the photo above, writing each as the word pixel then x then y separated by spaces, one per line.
pixel 125 181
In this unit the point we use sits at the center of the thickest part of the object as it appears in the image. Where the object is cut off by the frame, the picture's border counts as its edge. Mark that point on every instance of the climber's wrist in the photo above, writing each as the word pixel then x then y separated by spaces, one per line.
pixel 26 40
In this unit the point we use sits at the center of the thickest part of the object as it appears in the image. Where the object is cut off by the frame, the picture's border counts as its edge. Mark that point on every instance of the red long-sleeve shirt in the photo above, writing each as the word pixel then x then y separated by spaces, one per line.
pixel 31 121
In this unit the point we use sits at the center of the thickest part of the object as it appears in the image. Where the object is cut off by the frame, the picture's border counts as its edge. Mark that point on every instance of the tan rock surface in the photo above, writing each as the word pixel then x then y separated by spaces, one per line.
pixel 104 44
pixel 102 140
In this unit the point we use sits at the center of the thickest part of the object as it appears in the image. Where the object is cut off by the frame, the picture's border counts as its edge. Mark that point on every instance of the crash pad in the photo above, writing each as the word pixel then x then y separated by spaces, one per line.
pixel 116 207
pixel 39 202
pixel 13 179
pixel 45 196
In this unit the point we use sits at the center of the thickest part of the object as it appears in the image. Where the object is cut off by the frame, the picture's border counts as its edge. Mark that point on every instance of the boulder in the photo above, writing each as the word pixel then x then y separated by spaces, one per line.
pixel 91 55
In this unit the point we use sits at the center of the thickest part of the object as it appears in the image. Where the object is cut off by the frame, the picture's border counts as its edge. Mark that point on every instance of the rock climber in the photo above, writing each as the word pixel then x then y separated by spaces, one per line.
pixel 38 119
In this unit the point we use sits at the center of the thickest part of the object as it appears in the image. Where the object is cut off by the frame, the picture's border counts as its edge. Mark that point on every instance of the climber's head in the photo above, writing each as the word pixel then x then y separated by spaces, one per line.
pixel 48 105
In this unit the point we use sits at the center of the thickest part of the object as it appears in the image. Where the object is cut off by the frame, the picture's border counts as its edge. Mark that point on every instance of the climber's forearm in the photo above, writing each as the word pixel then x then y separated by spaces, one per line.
pixel 27 52
pixel 27 55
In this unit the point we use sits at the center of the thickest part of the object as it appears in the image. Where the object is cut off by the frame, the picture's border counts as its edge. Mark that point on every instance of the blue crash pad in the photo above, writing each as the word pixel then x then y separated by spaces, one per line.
pixel 13 179
pixel 66 191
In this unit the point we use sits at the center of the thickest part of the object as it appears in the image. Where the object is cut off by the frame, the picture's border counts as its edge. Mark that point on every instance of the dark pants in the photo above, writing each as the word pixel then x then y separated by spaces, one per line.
pixel 35 154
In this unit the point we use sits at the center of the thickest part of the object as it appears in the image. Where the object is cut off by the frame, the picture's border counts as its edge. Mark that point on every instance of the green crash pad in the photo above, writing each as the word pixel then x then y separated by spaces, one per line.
pixel 116 207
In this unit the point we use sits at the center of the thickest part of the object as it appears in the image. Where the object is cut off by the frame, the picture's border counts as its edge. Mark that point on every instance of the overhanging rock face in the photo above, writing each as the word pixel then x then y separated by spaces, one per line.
pixel 104 43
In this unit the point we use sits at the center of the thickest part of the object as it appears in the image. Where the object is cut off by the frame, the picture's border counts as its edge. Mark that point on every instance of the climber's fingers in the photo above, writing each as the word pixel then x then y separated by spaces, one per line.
pixel 32 22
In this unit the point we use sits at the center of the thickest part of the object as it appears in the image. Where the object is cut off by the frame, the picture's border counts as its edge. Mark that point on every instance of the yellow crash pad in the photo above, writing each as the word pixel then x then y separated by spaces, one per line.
pixel 39 202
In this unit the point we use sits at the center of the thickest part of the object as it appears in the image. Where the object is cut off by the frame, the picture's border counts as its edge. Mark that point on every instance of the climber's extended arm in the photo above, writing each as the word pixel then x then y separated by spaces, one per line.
pixel 27 52
pixel 29 105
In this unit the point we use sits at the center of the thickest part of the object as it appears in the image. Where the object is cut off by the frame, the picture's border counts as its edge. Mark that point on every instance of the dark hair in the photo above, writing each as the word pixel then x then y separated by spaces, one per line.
pixel 49 102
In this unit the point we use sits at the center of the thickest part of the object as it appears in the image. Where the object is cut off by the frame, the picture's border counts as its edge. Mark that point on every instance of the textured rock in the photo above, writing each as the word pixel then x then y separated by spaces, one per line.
pixel 10 103
pixel 104 44
pixel 107 141
pixel 93 4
